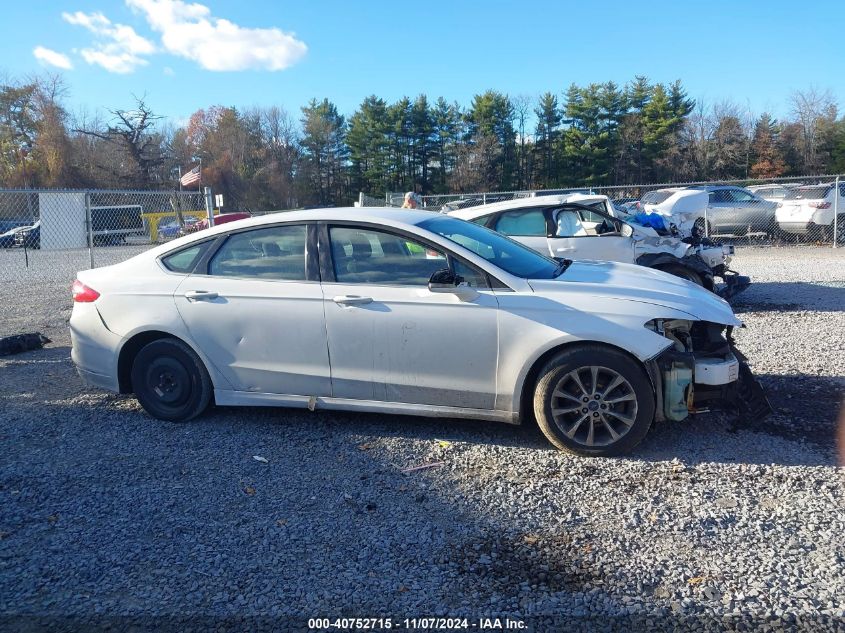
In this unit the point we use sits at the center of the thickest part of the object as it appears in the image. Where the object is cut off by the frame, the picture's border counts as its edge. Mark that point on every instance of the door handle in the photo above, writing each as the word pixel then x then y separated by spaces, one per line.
pixel 352 300
pixel 199 295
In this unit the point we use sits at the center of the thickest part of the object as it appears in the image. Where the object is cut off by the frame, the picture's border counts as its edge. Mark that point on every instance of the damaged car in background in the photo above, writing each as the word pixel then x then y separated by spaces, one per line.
pixel 407 312
pixel 586 226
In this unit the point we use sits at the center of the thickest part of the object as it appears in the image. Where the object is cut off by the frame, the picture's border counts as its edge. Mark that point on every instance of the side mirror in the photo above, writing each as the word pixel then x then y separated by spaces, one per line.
pixel 626 230
pixel 446 281
pixel 443 280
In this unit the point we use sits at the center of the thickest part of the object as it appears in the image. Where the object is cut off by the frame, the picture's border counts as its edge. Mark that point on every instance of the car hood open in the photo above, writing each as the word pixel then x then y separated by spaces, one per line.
pixel 584 280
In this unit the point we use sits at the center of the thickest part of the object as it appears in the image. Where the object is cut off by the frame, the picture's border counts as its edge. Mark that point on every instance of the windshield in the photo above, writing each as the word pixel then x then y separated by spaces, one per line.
pixel 497 249
pixel 656 197
pixel 808 193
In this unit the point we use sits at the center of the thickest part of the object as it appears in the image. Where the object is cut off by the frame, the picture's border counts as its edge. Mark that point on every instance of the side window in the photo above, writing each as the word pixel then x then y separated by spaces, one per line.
pixel 720 196
pixel 482 220
pixel 183 261
pixel 742 196
pixel 472 277
pixel 365 256
pixel 569 224
pixel 530 222
pixel 277 252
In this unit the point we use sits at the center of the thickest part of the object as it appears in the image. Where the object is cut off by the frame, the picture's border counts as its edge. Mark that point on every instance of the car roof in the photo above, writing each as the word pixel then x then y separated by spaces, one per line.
pixel 537 201
pixel 377 215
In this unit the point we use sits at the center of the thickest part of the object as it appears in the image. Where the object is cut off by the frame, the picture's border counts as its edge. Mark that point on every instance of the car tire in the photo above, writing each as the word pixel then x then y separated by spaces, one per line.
pixel 683 272
pixel 170 380
pixel 699 225
pixel 616 420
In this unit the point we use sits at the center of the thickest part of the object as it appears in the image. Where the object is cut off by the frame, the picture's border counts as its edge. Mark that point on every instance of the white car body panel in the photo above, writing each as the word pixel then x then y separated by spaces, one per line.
pixel 412 345
pixel 410 350
pixel 797 216
pixel 682 208
pixel 263 335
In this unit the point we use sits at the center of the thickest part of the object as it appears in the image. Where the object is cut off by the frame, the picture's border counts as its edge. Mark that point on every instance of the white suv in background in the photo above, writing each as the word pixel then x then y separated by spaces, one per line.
pixel 809 210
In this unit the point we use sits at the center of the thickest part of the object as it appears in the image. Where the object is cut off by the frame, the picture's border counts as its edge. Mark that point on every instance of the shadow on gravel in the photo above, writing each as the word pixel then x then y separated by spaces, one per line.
pixel 791 296
pixel 801 431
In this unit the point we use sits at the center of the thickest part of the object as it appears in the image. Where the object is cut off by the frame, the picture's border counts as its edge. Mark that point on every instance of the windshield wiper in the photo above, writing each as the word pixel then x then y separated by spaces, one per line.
pixel 563 264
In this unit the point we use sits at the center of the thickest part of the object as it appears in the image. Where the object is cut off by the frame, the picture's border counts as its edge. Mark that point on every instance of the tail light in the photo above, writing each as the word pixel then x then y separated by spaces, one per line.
pixel 819 205
pixel 82 293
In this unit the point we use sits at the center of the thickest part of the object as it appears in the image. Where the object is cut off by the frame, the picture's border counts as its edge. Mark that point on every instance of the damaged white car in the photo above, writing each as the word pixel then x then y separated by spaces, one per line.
pixel 407 312
pixel 579 226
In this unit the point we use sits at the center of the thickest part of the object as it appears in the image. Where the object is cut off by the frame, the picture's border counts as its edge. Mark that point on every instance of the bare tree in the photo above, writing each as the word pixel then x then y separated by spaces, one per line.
pixel 815 110
pixel 133 134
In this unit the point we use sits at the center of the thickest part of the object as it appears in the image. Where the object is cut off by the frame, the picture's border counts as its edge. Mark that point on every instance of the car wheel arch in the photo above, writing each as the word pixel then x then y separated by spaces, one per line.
pixel 135 343
pixel 529 382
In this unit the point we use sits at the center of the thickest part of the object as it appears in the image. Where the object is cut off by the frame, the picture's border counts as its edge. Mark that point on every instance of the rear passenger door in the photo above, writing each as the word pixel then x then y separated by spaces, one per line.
pixel 255 308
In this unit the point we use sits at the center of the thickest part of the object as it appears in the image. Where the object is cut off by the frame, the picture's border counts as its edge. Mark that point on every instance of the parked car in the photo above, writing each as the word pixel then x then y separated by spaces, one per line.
pixel 730 210
pixel 223 218
pixel 170 228
pixel 583 227
pixel 809 210
pixel 7 239
pixel 29 236
pixel 407 312
pixel 737 211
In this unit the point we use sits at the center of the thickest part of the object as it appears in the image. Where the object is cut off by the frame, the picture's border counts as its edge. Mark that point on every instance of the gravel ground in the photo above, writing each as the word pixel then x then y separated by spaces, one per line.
pixel 713 523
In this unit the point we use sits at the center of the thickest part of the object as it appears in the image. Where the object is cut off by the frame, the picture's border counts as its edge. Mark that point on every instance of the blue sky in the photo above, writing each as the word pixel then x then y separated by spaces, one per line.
pixel 184 56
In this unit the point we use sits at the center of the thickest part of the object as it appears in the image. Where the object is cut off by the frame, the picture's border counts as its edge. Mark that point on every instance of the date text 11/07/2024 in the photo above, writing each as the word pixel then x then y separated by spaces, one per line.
pixel 416 624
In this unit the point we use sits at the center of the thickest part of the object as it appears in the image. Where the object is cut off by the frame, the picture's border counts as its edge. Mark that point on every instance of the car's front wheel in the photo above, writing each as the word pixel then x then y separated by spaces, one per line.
pixel 594 401
pixel 170 380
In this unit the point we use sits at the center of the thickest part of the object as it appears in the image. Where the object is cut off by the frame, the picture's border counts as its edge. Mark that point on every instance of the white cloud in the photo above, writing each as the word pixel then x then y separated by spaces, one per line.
pixel 189 30
pixel 118 49
pixel 52 58
pixel 169 71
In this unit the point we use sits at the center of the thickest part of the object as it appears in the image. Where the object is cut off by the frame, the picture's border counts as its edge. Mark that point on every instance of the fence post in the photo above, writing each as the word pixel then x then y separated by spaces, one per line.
pixel 89 229
pixel 360 198
pixel 209 206
pixel 835 211
pixel 706 222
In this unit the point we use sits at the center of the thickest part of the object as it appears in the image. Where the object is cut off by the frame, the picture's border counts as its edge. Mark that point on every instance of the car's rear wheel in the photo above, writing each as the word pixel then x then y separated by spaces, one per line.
pixel 170 380
pixel 594 401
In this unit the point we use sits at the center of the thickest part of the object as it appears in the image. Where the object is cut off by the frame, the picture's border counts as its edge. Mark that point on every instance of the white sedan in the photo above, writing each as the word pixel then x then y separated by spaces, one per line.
pixel 406 312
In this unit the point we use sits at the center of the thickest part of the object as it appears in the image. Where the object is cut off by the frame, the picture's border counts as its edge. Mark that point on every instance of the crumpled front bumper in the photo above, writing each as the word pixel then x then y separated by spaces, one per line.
pixel 687 382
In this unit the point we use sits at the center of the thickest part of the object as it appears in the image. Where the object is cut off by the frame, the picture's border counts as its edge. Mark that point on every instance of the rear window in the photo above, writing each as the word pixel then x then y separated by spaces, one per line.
pixel 656 197
pixel 183 261
pixel 808 193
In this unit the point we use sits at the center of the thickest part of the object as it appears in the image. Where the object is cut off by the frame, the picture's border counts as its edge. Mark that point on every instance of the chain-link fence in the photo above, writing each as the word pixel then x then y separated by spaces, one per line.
pixel 778 211
pixel 42 230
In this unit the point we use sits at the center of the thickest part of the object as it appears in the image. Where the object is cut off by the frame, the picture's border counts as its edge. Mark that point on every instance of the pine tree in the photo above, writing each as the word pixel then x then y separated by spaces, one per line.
pixel 766 161
pixel 324 150
pixel 549 119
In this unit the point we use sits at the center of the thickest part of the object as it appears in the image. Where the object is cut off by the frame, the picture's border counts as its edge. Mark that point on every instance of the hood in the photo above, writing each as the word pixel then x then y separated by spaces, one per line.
pixel 586 281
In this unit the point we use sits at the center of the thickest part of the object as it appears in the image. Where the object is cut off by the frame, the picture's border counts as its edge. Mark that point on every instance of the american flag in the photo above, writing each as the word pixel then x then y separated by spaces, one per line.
pixel 191 177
